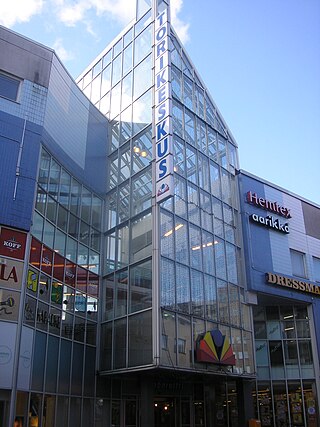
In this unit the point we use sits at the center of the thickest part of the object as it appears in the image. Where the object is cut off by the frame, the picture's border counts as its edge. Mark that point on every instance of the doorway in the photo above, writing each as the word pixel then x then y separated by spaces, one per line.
pixel 164 412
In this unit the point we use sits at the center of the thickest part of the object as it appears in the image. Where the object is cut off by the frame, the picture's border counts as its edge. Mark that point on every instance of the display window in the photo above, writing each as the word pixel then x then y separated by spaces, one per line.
pixel 46 260
pixel 58 267
pixel 35 253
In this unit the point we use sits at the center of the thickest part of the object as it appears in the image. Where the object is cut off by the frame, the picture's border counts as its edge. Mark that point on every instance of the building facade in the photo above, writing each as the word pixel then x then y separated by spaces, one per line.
pixel 176 338
pixel 282 252
pixel 52 163
pixel 138 267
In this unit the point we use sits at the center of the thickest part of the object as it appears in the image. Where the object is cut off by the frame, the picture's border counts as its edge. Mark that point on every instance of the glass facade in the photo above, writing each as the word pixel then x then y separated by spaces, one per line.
pixel 62 299
pixel 199 279
pixel 286 387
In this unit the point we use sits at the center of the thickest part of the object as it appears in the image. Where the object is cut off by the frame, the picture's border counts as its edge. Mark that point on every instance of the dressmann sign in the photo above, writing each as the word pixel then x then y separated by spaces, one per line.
pixel 163 117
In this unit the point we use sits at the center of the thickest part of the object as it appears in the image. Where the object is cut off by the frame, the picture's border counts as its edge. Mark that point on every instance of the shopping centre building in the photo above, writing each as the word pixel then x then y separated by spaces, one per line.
pixel 126 299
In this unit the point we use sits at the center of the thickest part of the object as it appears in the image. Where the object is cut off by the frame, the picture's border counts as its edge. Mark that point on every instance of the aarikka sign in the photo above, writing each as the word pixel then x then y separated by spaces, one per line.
pixel 163 121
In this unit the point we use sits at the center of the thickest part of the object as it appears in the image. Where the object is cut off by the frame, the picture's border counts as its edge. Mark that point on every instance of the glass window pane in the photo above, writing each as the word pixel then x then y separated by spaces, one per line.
pixel 167 289
pixel 210 291
pixel 197 293
pixel 75 197
pixel 126 98
pixel 178 156
pixel 121 292
pixel 54 179
pixel 220 258
pixel 119 344
pixel 167 234
pixel 127 59
pixel 183 288
pixel 9 87
pixel 106 80
pixel 142 150
pixel 298 263
pixel 140 287
pixel 142 45
pixel 123 247
pixel 141 192
pixel 142 77
pixel 95 89
pixel 191 161
pixel 140 339
pixel 141 238
pixel 115 101
pixel 208 253
pixel 180 196
pixel 177 119
pixel 181 242
pixel 196 247
pixel 110 252
pixel 223 301
pixel 189 127
pixel 44 169
pixel 116 70
pixel 124 203
pixel 142 112
pixel 187 92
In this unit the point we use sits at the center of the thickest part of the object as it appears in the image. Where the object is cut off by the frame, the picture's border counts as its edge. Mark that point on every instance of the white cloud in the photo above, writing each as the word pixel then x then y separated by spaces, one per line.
pixel 181 27
pixel 15 11
pixel 71 13
pixel 61 51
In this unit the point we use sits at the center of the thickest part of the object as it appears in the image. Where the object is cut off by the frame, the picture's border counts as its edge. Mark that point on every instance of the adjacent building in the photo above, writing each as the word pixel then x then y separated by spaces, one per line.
pixel 282 252
pixel 53 145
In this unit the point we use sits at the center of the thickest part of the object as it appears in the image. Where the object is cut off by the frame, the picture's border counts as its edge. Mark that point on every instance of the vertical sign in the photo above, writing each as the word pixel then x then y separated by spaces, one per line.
pixel 163 119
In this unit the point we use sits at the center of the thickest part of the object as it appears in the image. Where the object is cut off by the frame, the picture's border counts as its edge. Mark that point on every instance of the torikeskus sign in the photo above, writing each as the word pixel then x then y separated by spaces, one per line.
pixel 163 119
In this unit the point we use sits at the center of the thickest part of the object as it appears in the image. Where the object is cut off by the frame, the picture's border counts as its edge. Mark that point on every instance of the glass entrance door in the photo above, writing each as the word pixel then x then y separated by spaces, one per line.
pixel 164 412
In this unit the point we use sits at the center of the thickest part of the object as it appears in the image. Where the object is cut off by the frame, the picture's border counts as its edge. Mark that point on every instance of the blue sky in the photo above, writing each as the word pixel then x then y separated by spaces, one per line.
pixel 260 61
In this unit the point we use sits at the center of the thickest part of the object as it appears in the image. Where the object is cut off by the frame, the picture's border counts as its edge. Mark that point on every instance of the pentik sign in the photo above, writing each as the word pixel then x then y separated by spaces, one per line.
pixel 163 109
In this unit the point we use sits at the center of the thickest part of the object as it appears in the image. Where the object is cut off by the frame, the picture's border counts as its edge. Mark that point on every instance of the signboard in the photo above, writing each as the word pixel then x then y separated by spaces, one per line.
pixel 10 273
pixel 269 221
pixel 263 203
pixel 9 305
pixel 289 282
pixel 12 243
pixel 213 347
pixel 163 113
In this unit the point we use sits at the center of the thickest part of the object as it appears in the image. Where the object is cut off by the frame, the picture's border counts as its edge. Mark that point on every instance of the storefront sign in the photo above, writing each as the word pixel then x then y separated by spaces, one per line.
pixel 270 222
pixel 12 243
pixel 213 347
pixel 45 318
pixel 10 273
pixel 9 305
pixel 253 199
pixel 163 114
pixel 288 282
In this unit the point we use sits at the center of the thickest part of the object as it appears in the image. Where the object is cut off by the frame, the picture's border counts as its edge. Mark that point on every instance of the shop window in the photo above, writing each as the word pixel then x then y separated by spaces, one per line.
pixel 9 87
pixel 298 263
